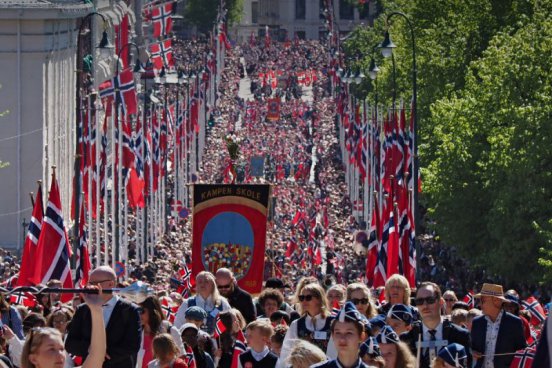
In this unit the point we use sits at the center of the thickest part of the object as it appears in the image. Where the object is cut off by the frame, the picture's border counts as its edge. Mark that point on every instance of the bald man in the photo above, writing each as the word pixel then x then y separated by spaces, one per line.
pixel 237 297
pixel 122 321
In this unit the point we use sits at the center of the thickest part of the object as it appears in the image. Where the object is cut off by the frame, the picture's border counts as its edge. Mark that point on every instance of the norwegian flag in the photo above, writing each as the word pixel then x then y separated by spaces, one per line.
pixel 372 251
pixel 469 299
pixel 11 282
pixel 393 254
pixel 524 358
pixel 53 250
pixel 23 298
pixel 240 346
pixel 28 265
pixel 189 355
pixel 535 308
pixel 107 96
pixel 291 246
pixel 219 327
pixel 335 309
pixel 162 19
pixel 407 235
pixel 170 311
pixel 124 91
pixel 162 55
pixel 83 256
pixel 185 280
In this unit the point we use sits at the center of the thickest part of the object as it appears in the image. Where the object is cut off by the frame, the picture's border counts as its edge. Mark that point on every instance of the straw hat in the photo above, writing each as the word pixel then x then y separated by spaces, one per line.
pixel 491 290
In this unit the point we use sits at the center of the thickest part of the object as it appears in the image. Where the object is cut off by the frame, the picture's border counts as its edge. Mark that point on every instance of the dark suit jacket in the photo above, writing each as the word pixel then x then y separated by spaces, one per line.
pixel 242 301
pixel 451 332
pixel 510 339
pixel 123 334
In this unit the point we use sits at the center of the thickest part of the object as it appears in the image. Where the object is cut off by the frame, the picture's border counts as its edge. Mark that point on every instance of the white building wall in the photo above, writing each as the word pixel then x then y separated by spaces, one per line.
pixel 37 63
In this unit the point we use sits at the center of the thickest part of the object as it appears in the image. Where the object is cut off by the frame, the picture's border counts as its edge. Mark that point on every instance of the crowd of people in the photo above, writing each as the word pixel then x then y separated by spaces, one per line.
pixel 314 309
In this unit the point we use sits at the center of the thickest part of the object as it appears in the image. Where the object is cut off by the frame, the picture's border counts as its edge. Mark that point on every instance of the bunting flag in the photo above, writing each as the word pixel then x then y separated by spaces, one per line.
pixel 162 19
pixel 83 256
pixel 28 265
pixel 53 250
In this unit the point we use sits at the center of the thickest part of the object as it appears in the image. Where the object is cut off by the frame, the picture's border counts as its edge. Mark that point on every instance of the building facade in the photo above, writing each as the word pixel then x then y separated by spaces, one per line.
pixel 38 48
pixel 301 18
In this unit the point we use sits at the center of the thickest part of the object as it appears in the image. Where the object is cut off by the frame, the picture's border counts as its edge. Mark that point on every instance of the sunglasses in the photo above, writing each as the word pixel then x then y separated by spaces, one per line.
pixel 428 300
pixel 360 301
pixel 308 298
pixel 450 300
pixel 223 286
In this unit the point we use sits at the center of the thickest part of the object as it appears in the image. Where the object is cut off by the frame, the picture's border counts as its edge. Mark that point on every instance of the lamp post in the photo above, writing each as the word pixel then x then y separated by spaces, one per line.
pixel 77 185
pixel 387 47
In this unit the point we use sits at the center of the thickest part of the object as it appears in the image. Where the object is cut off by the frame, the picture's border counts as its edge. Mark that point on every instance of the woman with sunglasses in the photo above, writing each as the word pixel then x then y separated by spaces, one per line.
pixel 154 323
pixel 314 324
pixel 359 295
pixel 44 346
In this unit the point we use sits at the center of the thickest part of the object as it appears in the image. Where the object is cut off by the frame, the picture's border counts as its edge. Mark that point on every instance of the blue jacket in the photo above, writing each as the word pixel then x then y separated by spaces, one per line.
pixel 13 321
pixel 510 339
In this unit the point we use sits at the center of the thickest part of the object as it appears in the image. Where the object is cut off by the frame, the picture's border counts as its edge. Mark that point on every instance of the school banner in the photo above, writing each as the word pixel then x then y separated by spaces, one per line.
pixel 229 230
pixel 273 113
pixel 257 166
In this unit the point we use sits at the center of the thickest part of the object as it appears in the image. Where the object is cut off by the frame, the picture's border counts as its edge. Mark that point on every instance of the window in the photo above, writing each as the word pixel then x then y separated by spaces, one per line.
pixel 301 35
pixel 321 7
pixel 300 9
pixel 346 10
pixel 255 12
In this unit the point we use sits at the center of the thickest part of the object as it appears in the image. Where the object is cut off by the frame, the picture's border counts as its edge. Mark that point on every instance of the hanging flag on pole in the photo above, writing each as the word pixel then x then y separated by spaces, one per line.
pixel 83 256
pixel 53 250
pixel 26 272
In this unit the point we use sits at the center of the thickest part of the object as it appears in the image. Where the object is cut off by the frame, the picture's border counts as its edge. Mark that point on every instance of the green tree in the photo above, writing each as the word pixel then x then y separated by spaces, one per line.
pixel 491 177
pixel 484 119
pixel 203 13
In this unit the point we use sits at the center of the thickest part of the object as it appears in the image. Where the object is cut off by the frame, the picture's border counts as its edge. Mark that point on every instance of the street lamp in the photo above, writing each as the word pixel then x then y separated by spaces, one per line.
pixel 387 47
pixel 105 47
pixel 373 70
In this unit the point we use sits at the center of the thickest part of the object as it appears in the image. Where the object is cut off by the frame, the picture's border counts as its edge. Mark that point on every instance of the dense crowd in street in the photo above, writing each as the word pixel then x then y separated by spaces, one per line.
pixel 314 309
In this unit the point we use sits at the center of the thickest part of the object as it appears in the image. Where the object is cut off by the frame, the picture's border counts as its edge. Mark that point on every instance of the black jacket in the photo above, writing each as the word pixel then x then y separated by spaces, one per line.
pixel 242 301
pixel 510 339
pixel 123 333
pixel 451 332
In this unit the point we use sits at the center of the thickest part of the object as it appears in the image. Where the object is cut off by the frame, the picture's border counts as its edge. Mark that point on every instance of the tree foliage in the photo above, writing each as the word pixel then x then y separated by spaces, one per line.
pixel 484 82
pixel 203 13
